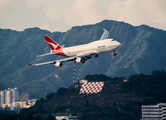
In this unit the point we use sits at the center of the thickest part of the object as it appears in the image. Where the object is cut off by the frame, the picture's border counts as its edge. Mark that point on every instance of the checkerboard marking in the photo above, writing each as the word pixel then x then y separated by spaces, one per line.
pixel 91 87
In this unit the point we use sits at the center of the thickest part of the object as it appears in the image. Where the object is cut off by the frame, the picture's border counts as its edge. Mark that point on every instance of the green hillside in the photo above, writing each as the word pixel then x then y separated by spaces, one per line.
pixel 116 97
pixel 142 51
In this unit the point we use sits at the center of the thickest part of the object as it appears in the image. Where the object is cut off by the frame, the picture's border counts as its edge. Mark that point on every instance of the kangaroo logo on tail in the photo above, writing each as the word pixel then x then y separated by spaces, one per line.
pixel 53 45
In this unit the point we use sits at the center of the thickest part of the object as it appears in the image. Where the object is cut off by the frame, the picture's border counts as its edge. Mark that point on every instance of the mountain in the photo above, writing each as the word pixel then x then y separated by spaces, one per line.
pixel 142 51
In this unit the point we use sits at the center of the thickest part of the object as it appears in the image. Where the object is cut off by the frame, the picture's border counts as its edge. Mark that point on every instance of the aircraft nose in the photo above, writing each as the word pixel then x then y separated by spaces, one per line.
pixel 118 44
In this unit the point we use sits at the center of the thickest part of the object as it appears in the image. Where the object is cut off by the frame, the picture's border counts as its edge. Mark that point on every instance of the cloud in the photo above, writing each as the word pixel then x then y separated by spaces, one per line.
pixel 85 11
pixel 57 12
pixel 18 15
pixel 137 12
pixel 61 15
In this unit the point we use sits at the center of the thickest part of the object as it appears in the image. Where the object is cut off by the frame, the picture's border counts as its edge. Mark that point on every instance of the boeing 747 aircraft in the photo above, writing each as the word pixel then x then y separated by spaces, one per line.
pixel 80 53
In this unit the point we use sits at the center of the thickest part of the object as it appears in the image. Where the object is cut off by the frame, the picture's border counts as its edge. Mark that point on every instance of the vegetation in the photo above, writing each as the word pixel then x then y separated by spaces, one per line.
pixel 28 116
pixel 105 113
pixel 150 87
pixel 102 77
pixel 38 108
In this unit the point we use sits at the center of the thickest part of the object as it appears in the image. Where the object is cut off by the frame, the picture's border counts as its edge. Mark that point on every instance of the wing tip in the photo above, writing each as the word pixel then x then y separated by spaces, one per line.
pixel 105 30
pixel 29 64
pixel 45 36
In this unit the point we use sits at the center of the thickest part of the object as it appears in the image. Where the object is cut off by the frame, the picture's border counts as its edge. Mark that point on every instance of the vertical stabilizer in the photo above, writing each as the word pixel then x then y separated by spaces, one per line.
pixel 105 35
pixel 53 45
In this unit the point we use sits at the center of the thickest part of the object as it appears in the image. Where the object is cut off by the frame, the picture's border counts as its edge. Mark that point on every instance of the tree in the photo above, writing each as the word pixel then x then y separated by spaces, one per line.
pixel 23 111
pixel 61 91
pixel 39 102
pixel 38 117
pixel 50 117
pixel 49 96
pixel 29 116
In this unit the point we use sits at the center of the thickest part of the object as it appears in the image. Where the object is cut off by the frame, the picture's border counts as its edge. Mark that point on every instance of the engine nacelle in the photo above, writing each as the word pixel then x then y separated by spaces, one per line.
pixel 58 64
pixel 79 60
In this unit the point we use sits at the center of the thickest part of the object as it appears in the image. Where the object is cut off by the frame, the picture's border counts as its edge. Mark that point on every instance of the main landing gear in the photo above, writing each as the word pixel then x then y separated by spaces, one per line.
pixel 114 53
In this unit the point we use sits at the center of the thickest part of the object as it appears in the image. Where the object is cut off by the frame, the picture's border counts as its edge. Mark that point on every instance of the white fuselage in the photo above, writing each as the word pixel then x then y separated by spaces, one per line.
pixel 100 46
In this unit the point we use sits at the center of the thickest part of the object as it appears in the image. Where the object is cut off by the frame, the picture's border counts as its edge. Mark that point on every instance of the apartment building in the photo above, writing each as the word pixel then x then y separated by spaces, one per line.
pixel 154 112
pixel 9 96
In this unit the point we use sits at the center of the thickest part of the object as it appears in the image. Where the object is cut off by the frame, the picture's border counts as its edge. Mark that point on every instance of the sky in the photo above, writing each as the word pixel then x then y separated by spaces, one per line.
pixel 62 15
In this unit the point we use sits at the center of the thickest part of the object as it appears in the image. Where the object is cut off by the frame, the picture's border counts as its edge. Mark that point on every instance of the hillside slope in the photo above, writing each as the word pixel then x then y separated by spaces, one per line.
pixel 112 94
pixel 142 51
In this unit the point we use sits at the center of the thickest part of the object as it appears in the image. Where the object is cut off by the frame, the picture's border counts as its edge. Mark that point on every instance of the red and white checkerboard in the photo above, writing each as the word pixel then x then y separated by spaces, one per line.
pixel 91 87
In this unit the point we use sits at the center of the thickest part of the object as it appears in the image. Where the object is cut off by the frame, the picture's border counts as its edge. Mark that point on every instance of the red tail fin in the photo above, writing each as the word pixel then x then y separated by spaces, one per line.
pixel 53 45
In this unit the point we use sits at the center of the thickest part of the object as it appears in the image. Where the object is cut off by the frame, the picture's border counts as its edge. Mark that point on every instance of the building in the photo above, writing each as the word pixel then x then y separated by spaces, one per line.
pixel 2 94
pixel 13 105
pixel 83 81
pixel 10 99
pixel 29 103
pixel 70 117
pixel 154 112
pixel 15 95
pixel 9 96
pixel 61 117
pixel 17 104
pixel 24 104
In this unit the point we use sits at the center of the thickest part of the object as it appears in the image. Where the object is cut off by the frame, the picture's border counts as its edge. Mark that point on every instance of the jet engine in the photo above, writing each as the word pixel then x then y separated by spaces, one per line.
pixel 58 64
pixel 79 60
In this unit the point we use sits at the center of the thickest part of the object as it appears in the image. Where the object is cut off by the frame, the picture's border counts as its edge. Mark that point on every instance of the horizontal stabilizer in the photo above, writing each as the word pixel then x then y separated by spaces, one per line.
pixel 29 64
pixel 62 46
pixel 46 54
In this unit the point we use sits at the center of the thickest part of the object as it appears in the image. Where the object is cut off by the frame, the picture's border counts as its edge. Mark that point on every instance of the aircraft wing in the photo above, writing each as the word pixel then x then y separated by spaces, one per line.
pixel 104 35
pixel 53 62
pixel 50 62
pixel 80 55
